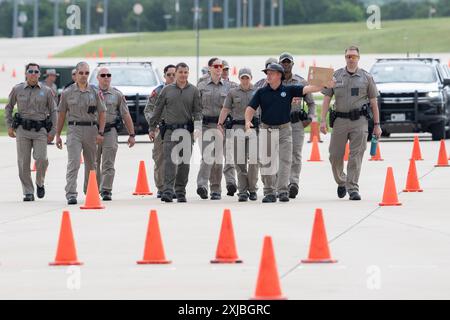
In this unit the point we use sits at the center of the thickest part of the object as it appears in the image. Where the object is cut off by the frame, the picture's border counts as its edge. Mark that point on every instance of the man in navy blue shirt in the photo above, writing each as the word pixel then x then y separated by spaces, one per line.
pixel 276 135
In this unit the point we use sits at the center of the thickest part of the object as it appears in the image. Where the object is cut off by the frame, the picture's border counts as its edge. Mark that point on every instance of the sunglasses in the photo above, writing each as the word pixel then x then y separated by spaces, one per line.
pixel 218 66
pixel 286 61
pixel 33 71
pixel 81 73
pixel 351 57
pixel 170 74
pixel 106 75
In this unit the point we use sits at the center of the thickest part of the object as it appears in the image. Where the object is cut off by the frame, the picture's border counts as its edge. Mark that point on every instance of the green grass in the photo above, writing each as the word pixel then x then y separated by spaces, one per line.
pixel 3 100
pixel 424 35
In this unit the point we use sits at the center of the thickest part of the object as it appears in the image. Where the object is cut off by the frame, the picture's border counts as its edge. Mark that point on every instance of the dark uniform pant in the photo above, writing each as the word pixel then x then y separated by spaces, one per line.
pixel 176 164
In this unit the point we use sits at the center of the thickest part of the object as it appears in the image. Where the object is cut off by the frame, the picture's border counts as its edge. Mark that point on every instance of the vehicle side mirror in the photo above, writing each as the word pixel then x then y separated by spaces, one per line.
pixel 446 82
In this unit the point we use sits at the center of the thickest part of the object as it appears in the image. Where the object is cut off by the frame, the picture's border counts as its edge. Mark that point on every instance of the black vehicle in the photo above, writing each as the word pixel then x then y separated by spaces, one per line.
pixel 414 96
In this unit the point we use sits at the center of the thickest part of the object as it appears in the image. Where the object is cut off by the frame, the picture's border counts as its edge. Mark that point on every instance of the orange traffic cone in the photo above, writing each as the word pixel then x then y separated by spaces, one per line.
pixel 390 197
pixel 226 248
pixel 315 153
pixel 66 254
pixel 416 152
pixel 100 53
pixel 268 283
pixel 412 183
pixel 14 75
pixel 142 188
pixel 92 196
pixel 315 132
pixel 377 156
pixel 442 160
pixel 347 151
pixel 154 250
pixel 33 169
pixel 113 55
pixel 318 250
pixel 94 55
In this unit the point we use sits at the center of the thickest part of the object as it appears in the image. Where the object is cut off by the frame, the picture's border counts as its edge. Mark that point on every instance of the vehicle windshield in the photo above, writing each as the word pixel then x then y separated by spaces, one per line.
pixel 384 73
pixel 131 77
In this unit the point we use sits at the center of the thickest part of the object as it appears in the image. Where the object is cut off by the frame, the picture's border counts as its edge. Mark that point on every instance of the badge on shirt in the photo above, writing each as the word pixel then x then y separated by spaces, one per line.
pixel 283 94
pixel 42 93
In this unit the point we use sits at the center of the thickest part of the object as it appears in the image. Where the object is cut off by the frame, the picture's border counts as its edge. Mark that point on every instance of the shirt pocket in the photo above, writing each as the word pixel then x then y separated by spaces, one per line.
pixel 237 102
pixel 206 98
pixel 22 99
pixel 223 96
pixel 339 90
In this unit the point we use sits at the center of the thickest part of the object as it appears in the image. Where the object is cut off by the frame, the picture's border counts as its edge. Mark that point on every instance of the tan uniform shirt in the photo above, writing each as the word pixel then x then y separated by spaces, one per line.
pixel 115 103
pixel 76 103
pixel 213 96
pixel 352 91
pixel 33 103
pixel 237 101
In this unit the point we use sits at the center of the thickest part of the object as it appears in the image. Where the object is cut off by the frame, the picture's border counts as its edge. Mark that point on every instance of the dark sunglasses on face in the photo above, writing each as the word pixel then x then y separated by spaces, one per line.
pixel 217 66
pixel 33 71
pixel 286 61
pixel 352 56
pixel 81 73
pixel 105 75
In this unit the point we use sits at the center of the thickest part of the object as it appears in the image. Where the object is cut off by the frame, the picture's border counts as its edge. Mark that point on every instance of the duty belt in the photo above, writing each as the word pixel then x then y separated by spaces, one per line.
pixel 83 123
pixel 281 126
pixel 255 122
pixel 208 120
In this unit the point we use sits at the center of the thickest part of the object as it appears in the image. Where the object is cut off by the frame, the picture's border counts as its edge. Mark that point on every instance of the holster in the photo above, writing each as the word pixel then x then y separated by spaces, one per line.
pixel 332 118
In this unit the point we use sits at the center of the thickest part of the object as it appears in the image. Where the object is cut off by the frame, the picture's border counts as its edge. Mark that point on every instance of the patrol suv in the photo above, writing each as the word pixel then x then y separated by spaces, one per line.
pixel 414 96
pixel 136 80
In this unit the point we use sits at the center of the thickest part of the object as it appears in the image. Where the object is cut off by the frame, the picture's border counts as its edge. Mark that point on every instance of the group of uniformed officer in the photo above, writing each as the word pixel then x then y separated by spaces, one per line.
pixel 250 127
pixel 92 113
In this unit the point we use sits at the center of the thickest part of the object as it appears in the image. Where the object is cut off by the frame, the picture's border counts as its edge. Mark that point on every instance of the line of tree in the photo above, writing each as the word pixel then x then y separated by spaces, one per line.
pixel 160 15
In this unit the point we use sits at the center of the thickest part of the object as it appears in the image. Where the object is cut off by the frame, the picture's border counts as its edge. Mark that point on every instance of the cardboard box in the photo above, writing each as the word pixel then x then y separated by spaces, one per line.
pixel 320 76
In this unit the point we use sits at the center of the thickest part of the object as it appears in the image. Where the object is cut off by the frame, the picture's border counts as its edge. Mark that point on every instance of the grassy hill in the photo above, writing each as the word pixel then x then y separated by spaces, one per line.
pixel 425 35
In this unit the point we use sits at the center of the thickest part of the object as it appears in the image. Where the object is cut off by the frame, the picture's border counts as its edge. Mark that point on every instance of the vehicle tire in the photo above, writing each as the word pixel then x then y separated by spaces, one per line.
pixel 438 131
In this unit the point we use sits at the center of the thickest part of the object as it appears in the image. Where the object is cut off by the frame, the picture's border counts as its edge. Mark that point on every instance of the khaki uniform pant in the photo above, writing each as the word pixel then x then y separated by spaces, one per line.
pixel 80 138
pixel 158 160
pixel 106 157
pixel 210 171
pixel 298 138
pixel 247 169
pixel 276 159
pixel 26 142
pixel 356 132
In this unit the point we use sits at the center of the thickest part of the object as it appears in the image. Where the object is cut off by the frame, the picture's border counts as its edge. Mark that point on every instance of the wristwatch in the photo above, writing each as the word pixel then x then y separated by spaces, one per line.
pixel 132 135
pixel 101 133
pixel 376 124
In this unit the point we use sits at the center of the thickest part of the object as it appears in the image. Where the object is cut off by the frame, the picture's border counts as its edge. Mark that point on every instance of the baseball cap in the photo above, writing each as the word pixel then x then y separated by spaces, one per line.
pixel 245 72
pixel 286 55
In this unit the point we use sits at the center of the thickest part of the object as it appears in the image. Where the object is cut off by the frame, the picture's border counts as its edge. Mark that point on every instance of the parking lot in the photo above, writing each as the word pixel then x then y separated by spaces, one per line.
pixel 384 253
